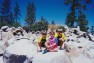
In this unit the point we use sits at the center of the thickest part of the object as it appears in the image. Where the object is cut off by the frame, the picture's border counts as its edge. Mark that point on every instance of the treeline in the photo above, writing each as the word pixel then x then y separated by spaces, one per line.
pixel 75 17
pixel 11 16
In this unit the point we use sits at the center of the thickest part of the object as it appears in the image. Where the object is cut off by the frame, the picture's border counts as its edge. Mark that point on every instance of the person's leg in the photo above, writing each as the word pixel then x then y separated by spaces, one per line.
pixel 61 42
pixel 40 45
pixel 47 45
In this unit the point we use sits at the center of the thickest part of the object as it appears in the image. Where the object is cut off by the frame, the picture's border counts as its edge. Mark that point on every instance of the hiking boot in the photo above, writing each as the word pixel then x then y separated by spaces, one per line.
pixel 45 51
pixel 61 48
pixel 40 51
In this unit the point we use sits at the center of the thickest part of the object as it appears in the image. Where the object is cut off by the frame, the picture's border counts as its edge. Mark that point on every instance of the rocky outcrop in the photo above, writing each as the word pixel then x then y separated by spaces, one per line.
pixel 21 51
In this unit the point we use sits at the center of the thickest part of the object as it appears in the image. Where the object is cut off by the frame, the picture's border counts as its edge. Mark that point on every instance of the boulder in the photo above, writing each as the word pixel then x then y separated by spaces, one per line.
pixel 21 51
pixel 81 59
pixel 1 59
pixel 0 34
pixel 6 36
pixel 2 46
pixel 11 41
pixel 50 57
pixel 4 27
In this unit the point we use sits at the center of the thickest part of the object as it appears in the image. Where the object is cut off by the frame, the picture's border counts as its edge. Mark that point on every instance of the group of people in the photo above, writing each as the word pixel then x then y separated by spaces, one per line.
pixel 51 44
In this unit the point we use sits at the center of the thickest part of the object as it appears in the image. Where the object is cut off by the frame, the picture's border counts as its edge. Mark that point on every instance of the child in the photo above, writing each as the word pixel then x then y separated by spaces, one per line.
pixel 51 44
pixel 42 40
pixel 60 37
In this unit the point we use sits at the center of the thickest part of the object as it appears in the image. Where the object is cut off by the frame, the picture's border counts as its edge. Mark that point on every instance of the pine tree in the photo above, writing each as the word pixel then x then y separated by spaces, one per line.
pixel 76 13
pixel 53 23
pixel 0 18
pixel 30 16
pixel 82 22
pixel 11 20
pixel 41 25
pixel 71 16
pixel 42 19
pixel 17 13
pixel 5 12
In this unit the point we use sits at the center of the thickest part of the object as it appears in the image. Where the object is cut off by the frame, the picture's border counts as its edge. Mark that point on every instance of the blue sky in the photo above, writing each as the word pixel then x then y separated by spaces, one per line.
pixel 52 10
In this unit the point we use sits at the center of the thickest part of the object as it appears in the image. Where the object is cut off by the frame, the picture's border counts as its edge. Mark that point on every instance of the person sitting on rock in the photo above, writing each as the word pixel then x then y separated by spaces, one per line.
pixel 51 44
pixel 42 40
pixel 61 38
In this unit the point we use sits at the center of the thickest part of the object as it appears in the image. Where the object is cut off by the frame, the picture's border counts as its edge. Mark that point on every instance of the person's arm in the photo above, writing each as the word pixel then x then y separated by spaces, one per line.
pixel 47 44
pixel 56 41
pixel 64 37
pixel 47 39
pixel 39 40
pixel 53 45
pixel 56 35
